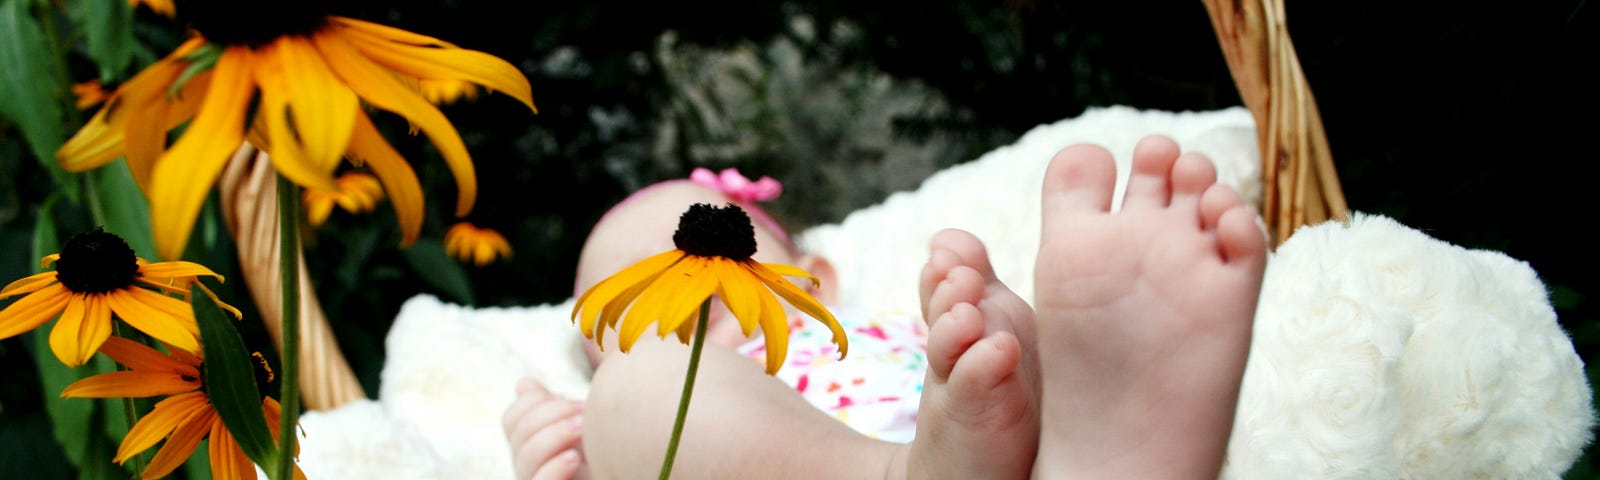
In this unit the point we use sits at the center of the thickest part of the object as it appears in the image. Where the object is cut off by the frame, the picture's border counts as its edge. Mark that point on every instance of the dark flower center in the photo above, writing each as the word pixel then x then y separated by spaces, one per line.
pixel 252 23
pixel 709 231
pixel 96 262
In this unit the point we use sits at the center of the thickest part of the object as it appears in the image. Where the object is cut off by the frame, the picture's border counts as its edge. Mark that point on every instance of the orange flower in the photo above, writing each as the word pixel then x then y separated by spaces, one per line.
pixel 97 275
pixel 184 418
pixel 357 193
pixel 89 93
pixel 293 83
pixel 477 245
pixel 714 252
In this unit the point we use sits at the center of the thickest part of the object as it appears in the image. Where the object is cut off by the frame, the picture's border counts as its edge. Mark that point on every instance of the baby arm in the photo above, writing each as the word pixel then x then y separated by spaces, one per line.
pixel 546 434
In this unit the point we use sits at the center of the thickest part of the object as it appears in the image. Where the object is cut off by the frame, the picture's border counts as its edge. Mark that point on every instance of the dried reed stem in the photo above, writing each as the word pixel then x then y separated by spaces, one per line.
pixel 250 207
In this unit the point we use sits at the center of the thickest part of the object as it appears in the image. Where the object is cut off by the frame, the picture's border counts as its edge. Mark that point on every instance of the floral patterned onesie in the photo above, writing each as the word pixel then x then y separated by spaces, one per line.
pixel 876 389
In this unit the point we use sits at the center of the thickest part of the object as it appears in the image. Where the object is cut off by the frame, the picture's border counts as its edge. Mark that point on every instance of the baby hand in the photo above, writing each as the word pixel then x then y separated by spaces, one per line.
pixel 546 434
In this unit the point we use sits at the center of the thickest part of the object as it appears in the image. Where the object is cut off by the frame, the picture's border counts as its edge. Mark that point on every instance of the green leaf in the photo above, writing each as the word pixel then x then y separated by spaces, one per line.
pixel 73 420
pixel 231 381
pixel 100 453
pixel 428 258
pixel 32 95
pixel 69 420
pixel 116 200
pixel 108 33
pixel 198 466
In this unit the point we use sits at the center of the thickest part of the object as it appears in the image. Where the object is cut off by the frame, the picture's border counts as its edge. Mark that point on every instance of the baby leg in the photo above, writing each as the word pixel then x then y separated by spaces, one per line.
pixel 1144 314
pixel 741 422
pixel 979 416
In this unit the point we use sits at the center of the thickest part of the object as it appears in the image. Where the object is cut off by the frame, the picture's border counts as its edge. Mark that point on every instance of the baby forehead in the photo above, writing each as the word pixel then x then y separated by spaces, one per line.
pixel 646 221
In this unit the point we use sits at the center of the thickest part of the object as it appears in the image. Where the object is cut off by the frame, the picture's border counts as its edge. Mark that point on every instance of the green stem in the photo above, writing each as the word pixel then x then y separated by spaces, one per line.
pixel 130 412
pixel 688 388
pixel 52 38
pixel 289 289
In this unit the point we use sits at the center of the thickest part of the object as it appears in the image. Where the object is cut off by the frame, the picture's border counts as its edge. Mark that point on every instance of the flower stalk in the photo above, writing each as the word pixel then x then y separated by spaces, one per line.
pixel 688 388
pixel 289 269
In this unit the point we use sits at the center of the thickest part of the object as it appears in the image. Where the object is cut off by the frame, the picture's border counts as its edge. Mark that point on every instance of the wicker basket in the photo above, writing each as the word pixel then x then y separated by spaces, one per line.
pixel 1299 181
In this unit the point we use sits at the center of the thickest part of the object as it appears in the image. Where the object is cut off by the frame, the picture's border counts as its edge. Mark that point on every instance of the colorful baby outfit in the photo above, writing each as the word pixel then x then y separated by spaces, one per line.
pixel 876 389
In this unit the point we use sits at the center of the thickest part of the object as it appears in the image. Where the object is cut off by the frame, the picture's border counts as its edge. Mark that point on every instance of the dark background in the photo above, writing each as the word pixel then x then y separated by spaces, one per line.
pixel 1469 121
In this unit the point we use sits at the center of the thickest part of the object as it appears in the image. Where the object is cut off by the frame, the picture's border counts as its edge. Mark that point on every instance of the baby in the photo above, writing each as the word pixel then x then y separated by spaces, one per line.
pixel 1130 367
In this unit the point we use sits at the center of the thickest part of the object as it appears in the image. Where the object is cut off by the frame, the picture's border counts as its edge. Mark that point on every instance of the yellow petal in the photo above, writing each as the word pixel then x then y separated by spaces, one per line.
pixel 323 107
pixel 272 114
pixel 28 284
pixel 379 87
pixel 96 325
pixel 399 180
pixel 185 357
pixel 455 243
pixel 792 271
pixel 430 60
pixel 390 33
pixel 146 135
pixel 184 175
pixel 687 300
pixel 657 297
pixel 803 301
pixel 774 330
pixel 33 310
pixel 224 305
pixel 84 325
pixel 498 244
pixel 165 318
pixel 177 268
pixel 139 357
pixel 178 109
pixel 318 207
pixel 592 304
pixel 743 302
pixel 686 328
pixel 49 260
pixel 101 140
pixel 228 461
pixel 97 143
pixel 130 384
pixel 162 420
pixel 181 444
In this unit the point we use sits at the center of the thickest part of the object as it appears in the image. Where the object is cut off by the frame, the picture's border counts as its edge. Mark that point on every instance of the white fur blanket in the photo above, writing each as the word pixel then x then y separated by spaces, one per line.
pixel 1378 352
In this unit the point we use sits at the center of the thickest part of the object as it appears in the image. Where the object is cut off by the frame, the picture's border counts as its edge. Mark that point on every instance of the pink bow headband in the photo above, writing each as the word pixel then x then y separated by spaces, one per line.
pixel 736 186
pixel 746 192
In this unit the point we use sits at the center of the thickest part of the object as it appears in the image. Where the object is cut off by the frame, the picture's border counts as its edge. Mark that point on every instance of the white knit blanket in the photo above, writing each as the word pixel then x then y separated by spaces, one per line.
pixel 1378 352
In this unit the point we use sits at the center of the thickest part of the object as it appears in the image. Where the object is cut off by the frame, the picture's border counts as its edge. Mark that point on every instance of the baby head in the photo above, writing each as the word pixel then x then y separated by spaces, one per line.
pixel 642 226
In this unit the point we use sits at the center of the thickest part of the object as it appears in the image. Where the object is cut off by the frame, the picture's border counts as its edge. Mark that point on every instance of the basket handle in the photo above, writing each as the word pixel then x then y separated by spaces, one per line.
pixel 250 207
pixel 1300 184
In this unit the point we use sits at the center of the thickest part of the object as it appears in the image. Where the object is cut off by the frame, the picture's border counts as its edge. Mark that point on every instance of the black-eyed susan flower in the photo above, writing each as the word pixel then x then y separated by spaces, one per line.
pixel 715 245
pixel 97 275
pixel 480 246
pixel 183 419
pixel 357 193
pixel 293 80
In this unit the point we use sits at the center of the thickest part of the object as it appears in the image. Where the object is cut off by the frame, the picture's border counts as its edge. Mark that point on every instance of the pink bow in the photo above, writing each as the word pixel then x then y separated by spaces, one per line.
pixel 736 186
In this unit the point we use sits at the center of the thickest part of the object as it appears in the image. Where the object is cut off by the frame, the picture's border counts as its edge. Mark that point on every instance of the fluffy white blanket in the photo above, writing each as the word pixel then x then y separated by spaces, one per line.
pixel 1378 352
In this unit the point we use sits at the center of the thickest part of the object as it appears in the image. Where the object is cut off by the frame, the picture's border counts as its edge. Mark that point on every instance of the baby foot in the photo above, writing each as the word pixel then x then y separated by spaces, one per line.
pixel 546 434
pixel 979 416
pixel 1144 314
